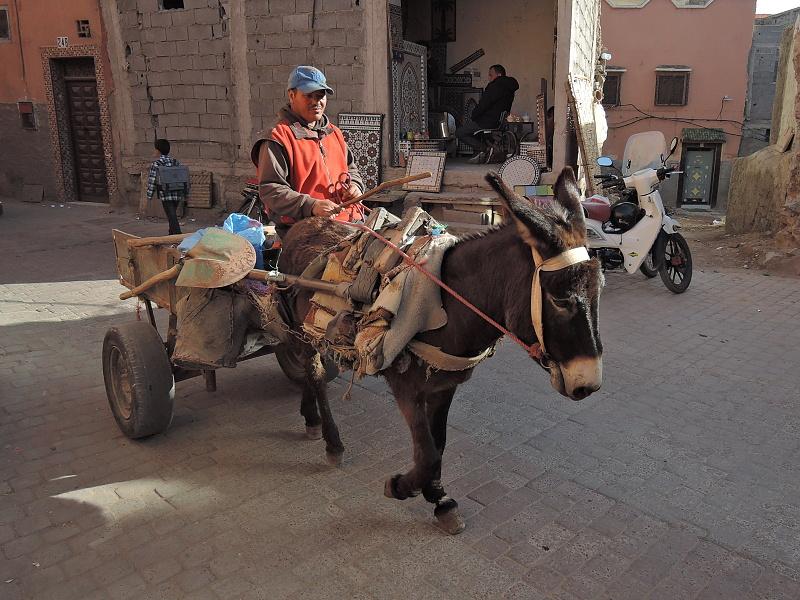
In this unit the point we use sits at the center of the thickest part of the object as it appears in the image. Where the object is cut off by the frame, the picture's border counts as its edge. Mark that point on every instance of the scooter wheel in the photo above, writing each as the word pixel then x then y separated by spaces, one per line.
pixel 647 267
pixel 676 271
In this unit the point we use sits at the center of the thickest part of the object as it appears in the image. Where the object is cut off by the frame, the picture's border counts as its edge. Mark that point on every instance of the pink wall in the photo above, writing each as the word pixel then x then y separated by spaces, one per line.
pixel 713 41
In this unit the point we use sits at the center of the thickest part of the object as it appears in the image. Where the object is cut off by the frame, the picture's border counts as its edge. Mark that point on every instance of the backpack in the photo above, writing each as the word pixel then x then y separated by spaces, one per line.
pixel 173 178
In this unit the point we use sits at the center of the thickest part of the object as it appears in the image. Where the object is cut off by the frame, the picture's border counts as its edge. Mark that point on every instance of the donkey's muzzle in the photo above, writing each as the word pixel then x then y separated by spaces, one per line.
pixel 582 376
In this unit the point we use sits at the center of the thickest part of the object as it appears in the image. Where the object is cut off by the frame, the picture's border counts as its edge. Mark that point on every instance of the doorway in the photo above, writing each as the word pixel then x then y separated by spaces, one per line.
pixel 77 104
pixel 700 178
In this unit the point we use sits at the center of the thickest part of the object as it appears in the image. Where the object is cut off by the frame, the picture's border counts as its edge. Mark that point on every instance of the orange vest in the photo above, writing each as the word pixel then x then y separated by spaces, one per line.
pixel 315 165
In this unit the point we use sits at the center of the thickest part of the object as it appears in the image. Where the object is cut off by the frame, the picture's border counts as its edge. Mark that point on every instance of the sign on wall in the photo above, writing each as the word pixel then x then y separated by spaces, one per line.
pixel 62 41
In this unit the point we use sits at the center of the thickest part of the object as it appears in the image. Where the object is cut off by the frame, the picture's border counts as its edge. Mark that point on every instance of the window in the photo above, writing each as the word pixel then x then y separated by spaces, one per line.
pixel 5 29
pixel 672 86
pixel 170 4
pixel 612 85
pixel 83 29
pixel 26 115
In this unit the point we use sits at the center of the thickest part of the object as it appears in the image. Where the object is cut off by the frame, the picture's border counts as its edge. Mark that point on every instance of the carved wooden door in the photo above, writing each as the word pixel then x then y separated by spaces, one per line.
pixel 87 140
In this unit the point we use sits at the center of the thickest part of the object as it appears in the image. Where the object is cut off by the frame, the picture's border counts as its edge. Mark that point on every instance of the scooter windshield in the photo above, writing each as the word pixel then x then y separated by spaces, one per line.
pixel 643 151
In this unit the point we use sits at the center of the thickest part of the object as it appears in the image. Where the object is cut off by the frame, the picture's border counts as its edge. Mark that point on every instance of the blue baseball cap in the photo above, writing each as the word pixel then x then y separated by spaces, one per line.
pixel 307 80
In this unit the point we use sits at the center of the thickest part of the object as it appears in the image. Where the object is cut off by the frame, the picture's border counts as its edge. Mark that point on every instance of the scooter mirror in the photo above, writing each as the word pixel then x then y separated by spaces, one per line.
pixel 604 161
pixel 673 145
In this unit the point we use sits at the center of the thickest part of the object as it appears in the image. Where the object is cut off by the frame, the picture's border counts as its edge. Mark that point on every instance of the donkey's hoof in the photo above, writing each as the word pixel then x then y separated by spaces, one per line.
pixel 314 433
pixel 450 521
pixel 334 459
pixel 390 488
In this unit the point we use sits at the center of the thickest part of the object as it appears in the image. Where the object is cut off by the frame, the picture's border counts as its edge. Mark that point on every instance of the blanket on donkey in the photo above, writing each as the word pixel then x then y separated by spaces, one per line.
pixel 389 302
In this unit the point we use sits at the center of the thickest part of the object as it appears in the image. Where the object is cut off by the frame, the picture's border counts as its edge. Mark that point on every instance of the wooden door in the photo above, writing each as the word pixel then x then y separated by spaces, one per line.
pixel 87 140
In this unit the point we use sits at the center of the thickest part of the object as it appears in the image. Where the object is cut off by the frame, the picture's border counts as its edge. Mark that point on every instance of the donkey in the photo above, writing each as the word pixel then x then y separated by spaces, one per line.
pixel 496 271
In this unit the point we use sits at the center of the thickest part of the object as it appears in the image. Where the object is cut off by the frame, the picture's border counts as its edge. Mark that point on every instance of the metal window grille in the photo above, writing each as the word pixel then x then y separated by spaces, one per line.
pixel 672 89
pixel 611 89
pixel 170 4
pixel 5 28
pixel 84 31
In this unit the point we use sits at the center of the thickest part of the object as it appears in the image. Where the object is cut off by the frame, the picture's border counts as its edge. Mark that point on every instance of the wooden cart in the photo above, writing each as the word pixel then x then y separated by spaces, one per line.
pixel 139 374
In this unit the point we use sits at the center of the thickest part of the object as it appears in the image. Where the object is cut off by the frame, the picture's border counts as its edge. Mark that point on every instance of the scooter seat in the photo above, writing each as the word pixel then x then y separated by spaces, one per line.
pixel 597 208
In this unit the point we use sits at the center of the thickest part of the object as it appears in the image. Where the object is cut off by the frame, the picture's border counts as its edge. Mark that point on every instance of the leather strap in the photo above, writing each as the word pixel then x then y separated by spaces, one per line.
pixel 446 362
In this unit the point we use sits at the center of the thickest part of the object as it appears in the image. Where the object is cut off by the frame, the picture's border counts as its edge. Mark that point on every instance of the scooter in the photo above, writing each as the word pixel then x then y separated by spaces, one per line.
pixel 636 232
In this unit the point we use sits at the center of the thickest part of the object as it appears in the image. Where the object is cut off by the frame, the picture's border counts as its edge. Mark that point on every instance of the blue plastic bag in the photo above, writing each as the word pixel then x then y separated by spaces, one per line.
pixel 189 242
pixel 249 229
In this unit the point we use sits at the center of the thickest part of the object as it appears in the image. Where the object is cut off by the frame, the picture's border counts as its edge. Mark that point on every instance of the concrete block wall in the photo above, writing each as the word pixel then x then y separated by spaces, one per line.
pixel 179 77
pixel 284 33
pixel 182 71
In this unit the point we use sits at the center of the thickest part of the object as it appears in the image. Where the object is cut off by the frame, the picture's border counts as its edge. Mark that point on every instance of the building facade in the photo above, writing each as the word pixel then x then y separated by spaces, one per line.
pixel 54 102
pixel 680 66
pixel 762 77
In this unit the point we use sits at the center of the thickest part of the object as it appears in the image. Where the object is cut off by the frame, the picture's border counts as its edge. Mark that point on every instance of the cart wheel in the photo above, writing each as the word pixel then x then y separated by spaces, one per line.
pixel 292 365
pixel 138 377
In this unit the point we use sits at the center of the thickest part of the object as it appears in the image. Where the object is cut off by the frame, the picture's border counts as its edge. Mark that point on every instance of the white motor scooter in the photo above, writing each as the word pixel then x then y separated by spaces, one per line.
pixel 636 232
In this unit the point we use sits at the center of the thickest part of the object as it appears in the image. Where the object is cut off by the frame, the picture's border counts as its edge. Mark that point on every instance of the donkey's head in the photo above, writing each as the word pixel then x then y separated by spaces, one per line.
pixel 567 306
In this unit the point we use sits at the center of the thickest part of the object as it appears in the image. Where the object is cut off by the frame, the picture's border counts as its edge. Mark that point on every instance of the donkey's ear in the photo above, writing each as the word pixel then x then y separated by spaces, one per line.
pixel 568 195
pixel 532 225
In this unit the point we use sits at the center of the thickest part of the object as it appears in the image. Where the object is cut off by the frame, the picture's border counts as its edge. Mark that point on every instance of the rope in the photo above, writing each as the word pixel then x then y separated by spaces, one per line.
pixel 534 350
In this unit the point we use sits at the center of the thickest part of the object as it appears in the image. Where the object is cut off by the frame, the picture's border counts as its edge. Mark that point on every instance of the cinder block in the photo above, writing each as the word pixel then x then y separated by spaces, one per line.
pixel 204 61
pixel 296 22
pixel 164 48
pixel 186 47
pixel 164 78
pixel 180 63
pixel 267 25
pixel 161 19
pixel 347 56
pixel 268 57
pixel 216 77
pixel 294 57
pixel 206 16
pixel 277 40
pixel 191 77
pixel 261 76
pixel 154 34
pixel 214 46
pixel 183 91
pixel 146 6
pixel 197 133
pixel 169 120
pixel 200 32
pixel 178 33
pixel 159 63
pixel 350 19
pixel 332 38
pixel 321 56
pixel 325 21
pixel 183 17
pixel 156 107
pixel 219 107
pixel 282 7
pixel 161 92
pixel 304 5
pixel 174 106
pixel 357 74
pixel 355 38
pixel 176 133
pixel 218 135
pixel 205 92
pixel 137 63
pixel 194 105
pixel 334 5
pixel 210 121
pixel 302 39
pixel 210 151
pixel 186 150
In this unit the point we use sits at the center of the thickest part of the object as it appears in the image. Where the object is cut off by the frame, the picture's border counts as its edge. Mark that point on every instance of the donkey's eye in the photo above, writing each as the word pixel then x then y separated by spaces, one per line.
pixel 563 303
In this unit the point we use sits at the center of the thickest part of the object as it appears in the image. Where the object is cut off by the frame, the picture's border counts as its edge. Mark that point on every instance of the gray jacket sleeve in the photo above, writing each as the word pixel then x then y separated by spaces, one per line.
pixel 273 184
pixel 355 176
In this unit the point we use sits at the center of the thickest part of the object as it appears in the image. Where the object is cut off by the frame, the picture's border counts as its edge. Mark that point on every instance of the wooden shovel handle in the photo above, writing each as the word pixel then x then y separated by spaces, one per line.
pixel 171 273
pixel 386 185
pixel 175 239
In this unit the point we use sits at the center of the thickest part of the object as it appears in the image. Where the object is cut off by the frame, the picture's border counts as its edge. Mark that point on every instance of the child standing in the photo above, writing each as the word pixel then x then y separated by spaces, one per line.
pixel 169 194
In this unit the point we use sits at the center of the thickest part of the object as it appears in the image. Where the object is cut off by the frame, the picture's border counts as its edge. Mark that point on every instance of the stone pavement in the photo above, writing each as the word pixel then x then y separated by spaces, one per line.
pixel 679 479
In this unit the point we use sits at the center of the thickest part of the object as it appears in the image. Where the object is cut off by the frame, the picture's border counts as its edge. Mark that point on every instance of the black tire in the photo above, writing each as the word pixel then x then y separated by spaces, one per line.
pixel 138 377
pixel 292 366
pixel 676 270
pixel 647 267
pixel 509 142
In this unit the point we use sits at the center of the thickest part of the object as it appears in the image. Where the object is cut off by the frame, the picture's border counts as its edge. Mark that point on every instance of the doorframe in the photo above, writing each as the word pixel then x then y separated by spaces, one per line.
pixel 49 55
pixel 716 147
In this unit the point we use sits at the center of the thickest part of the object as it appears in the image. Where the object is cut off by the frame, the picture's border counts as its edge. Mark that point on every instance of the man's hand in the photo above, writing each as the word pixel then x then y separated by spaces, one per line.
pixel 350 193
pixel 324 208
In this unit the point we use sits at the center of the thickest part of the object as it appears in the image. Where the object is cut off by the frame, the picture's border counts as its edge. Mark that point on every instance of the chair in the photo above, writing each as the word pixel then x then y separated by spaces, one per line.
pixel 442 126
pixel 499 142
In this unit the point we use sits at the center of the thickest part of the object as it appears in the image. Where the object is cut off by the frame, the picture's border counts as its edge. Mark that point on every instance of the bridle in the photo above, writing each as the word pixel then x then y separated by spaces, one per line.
pixel 555 263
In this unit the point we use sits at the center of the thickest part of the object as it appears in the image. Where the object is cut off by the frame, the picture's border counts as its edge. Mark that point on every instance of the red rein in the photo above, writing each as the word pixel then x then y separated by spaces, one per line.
pixel 534 350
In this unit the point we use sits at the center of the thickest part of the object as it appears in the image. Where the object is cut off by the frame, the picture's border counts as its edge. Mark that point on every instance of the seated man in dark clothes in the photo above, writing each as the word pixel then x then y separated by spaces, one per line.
pixel 497 98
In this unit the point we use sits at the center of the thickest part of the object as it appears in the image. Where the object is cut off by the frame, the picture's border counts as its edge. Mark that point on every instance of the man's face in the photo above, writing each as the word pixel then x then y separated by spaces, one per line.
pixel 493 74
pixel 310 107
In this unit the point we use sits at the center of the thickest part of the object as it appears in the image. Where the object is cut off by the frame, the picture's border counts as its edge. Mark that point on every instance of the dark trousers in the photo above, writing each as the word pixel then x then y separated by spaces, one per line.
pixel 171 210
pixel 466 132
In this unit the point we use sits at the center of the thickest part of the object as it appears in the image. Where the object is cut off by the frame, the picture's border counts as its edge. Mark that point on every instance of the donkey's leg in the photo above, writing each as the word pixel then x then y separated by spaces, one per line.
pixel 318 389
pixel 308 408
pixel 427 463
pixel 446 511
